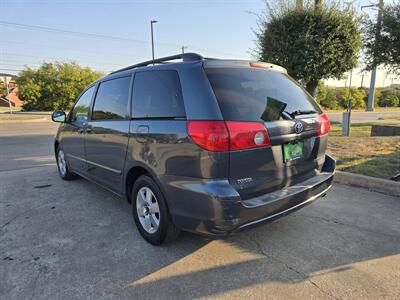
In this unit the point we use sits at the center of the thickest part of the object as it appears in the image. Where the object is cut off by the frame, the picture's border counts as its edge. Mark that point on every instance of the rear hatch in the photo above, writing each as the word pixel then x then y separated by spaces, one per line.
pixel 295 146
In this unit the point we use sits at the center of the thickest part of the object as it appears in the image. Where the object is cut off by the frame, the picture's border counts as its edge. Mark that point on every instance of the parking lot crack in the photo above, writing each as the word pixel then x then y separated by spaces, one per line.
pixel 303 275
pixel 21 214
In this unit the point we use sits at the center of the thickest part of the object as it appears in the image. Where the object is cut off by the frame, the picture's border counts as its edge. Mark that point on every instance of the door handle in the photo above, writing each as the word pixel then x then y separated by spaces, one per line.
pixel 141 130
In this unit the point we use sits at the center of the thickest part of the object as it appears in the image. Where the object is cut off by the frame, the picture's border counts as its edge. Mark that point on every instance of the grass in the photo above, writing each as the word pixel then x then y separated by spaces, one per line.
pixel 360 153
pixel 4 108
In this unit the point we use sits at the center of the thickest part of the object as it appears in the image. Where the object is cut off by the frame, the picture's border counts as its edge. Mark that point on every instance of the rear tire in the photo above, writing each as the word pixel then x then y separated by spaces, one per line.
pixel 62 166
pixel 150 212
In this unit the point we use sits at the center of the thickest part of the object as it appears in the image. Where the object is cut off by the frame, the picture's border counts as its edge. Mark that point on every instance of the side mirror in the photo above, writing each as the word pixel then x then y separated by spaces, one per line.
pixel 58 116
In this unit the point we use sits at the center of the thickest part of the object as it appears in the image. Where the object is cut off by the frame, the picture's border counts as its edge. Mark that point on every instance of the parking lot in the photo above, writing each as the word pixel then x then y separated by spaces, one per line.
pixel 69 240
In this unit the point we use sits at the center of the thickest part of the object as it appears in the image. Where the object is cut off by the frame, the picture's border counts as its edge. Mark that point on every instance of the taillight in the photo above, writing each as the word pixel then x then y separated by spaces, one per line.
pixel 324 124
pixel 209 135
pixel 230 135
pixel 245 135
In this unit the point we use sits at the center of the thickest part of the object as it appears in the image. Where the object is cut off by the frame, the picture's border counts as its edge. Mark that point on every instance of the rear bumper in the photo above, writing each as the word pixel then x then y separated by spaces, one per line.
pixel 213 207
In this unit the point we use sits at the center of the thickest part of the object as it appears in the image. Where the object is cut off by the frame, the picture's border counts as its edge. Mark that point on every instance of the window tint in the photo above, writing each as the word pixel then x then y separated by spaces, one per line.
pixel 157 94
pixel 111 101
pixel 248 94
pixel 81 109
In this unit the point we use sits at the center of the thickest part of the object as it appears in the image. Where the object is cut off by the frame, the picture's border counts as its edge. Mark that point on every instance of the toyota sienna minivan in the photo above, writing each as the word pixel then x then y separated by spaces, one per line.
pixel 203 145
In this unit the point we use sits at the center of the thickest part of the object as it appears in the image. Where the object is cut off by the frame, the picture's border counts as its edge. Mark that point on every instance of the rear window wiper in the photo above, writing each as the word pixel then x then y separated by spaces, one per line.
pixel 302 112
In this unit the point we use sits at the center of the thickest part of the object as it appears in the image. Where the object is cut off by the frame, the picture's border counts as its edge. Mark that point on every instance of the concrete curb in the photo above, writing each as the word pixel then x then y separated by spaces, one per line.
pixel 384 186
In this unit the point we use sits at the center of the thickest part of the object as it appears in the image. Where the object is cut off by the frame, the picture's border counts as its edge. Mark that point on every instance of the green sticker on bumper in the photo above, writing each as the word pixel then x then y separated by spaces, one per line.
pixel 293 151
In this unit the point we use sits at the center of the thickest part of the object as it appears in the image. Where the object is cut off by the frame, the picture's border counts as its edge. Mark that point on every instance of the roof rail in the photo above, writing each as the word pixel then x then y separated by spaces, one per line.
pixel 184 56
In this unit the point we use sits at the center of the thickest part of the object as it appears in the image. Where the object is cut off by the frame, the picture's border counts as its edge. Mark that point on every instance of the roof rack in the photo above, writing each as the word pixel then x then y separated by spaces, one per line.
pixel 184 56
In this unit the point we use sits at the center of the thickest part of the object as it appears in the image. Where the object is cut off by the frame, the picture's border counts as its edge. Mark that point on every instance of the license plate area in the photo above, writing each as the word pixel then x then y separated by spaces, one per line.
pixel 293 151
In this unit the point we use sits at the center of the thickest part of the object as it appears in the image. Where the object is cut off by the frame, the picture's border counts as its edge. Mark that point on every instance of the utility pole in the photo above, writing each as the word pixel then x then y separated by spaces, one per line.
pixel 362 80
pixel 371 94
pixel 152 37
pixel 8 94
pixel 384 79
pixel 183 49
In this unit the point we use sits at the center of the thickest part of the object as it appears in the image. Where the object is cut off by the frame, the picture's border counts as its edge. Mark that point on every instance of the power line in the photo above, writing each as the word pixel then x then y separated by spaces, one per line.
pixel 16 70
pixel 54 58
pixel 74 50
pixel 78 33
pixel 101 36
pixel 35 65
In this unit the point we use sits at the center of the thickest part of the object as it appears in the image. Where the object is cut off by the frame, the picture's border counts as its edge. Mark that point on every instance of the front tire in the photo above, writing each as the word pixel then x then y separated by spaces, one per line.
pixel 150 212
pixel 62 166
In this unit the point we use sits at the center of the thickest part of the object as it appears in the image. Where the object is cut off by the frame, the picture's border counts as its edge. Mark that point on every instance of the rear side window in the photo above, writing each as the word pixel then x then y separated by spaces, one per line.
pixel 112 100
pixel 157 94
pixel 249 94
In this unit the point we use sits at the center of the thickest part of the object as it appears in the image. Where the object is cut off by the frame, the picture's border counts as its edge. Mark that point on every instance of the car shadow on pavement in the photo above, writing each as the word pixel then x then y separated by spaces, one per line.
pixel 75 240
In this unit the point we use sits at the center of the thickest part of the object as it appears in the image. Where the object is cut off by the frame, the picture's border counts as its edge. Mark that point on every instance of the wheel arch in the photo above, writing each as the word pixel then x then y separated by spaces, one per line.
pixel 132 175
pixel 56 144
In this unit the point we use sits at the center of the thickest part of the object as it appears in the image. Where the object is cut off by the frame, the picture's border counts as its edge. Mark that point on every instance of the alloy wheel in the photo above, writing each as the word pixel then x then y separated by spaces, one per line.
pixel 62 164
pixel 148 210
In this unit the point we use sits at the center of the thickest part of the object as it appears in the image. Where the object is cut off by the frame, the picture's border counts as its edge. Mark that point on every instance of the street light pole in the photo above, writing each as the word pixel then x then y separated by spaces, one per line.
pixel 371 93
pixel 362 80
pixel 152 38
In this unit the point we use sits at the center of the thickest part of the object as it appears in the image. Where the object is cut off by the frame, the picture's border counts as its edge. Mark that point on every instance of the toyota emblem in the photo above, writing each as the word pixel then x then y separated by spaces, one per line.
pixel 298 127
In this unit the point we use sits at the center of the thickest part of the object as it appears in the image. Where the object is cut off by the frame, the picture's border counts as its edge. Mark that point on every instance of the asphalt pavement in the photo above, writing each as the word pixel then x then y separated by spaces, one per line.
pixel 25 145
pixel 74 240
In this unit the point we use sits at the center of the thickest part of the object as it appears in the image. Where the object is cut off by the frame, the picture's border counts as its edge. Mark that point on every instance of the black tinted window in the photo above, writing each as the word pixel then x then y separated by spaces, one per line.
pixel 112 100
pixel 249 94
pixel 81 109
pixel 157 94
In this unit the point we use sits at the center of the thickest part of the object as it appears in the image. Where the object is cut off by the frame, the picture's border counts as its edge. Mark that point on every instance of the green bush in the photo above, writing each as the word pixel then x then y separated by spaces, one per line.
pixel 357 98
pixel 338 98
pixel 329 100
pixel 388 101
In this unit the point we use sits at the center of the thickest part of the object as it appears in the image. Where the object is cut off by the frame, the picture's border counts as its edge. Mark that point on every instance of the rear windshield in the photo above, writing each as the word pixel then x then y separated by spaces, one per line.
pixel 249 94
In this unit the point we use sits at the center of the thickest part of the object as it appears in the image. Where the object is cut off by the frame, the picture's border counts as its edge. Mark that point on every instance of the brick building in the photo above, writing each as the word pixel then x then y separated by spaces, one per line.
pixel 13 91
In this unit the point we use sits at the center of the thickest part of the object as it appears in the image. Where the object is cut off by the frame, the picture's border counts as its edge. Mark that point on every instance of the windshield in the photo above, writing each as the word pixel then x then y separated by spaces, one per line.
pixel 249 94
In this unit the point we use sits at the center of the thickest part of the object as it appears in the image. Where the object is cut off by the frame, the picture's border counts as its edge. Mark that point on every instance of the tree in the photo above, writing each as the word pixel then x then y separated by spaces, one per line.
pixel 384 48
pixel 54 86
pixel 313 42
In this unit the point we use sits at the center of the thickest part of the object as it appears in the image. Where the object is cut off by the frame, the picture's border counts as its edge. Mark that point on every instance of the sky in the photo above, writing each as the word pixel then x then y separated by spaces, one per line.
pixel 121 32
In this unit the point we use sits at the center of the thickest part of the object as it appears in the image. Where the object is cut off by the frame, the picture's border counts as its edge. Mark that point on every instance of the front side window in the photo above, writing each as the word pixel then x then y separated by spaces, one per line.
pixel 80 111
pixel 157 94
pixel 112 100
